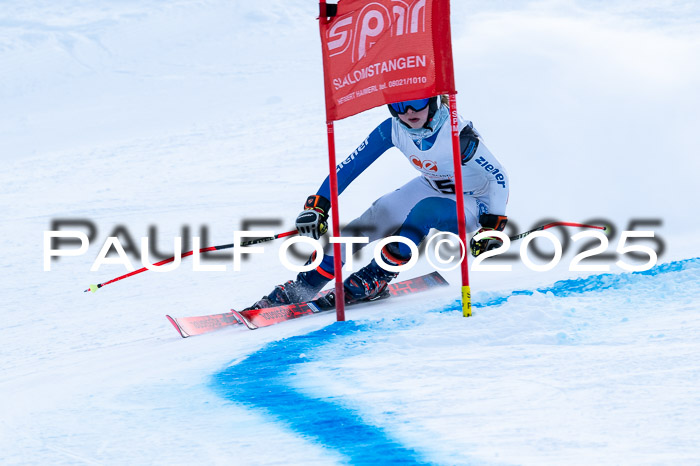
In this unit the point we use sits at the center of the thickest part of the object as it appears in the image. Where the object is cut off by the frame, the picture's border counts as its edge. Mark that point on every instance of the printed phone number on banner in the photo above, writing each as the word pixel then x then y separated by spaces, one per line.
pixel 407 81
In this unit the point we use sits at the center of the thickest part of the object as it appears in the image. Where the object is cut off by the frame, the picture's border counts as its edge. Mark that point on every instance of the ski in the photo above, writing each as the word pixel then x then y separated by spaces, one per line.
pixel 254 318
pixel 189 326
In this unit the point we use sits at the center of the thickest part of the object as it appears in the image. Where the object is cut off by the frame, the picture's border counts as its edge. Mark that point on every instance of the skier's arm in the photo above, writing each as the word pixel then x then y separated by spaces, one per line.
pixel 499 187
pixel 313 220
pixel 496 195
pixel 378 142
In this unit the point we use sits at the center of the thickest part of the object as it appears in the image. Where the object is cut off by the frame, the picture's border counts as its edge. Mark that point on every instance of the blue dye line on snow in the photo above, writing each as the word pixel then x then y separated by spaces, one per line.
pixel 262 380
pixel 594 283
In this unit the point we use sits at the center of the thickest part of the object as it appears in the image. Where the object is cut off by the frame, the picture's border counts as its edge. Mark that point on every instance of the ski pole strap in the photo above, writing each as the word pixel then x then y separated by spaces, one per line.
pixel 496 222
pixel 318 203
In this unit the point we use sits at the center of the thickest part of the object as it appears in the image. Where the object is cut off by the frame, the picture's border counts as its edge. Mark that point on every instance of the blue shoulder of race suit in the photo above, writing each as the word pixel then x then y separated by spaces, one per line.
pixel 378 142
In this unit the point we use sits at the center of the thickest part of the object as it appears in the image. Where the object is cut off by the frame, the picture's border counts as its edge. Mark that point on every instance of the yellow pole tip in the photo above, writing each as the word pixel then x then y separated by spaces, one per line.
pixel 93 288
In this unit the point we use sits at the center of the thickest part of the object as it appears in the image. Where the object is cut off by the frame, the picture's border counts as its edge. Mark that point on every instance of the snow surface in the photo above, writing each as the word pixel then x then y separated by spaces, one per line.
pixel 209 112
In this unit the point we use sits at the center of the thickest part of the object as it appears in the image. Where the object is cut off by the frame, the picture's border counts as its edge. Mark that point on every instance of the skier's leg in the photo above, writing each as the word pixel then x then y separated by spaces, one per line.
pixel 385 216
pixel 438 213
pixel 303 288
pixel 432 212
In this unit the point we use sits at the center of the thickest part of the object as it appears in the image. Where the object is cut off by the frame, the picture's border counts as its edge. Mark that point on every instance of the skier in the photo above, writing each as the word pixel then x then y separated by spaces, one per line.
pixel 420 129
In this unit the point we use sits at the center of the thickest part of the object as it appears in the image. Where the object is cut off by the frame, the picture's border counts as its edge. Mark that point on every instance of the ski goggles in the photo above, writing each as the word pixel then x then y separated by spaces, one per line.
pixel 416 105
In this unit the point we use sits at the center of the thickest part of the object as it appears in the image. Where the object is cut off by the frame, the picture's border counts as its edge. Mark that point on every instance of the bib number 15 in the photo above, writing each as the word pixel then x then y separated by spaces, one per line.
pixel 444 186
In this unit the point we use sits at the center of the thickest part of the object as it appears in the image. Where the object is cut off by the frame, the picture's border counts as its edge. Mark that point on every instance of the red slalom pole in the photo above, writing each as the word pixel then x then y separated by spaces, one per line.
pixel 324 13
pixel 459 197
pixel 94 288
pixel 337 260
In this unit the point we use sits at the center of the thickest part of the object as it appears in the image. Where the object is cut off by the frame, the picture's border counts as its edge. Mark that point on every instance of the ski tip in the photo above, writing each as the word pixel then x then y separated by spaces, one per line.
pixel 439 279
pixel 177 327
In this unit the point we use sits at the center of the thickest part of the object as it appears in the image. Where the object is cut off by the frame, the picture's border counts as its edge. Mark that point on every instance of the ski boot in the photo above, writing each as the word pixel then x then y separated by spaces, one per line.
pixel 304 288
pixel 370 282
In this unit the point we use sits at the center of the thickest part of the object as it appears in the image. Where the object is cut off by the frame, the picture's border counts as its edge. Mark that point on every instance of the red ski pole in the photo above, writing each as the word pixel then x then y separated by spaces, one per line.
pixel 94 288
pixel 556 224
